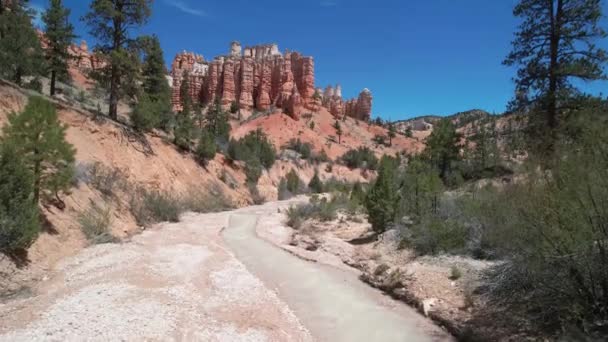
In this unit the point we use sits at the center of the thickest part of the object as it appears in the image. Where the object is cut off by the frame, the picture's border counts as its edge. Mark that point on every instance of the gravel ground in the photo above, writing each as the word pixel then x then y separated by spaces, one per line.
pixel 174 283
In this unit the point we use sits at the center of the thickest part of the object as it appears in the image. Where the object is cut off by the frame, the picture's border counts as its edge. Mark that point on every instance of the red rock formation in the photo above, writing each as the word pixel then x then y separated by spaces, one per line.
pixel 259 78
pixel 246 96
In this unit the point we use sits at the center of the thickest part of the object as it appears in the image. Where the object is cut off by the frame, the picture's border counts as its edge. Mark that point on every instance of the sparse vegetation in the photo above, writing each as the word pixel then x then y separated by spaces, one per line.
pixel 95 224
pixel 152 206
pixel 362 157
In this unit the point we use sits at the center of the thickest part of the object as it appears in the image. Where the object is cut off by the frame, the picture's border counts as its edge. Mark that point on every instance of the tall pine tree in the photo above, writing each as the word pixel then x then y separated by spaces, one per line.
pixel 111 22
pixel 554 45
pixel 39 138
pixel 20 50
pixel 59 35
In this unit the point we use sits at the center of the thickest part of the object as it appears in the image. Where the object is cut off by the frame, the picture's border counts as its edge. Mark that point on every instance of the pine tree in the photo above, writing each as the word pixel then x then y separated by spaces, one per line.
pixel 59 35
pixel 392 133
pixel 111 23
pixel 183 131
pixel 217 122
pixel 206 148
pixel 443 147
pixel 18 213
pixel 316 185
pixel 339 132
pixel 20 50
pixel 184 93
pixel 382 199
pixel 39 138
pixel 554 45
pixel 153 109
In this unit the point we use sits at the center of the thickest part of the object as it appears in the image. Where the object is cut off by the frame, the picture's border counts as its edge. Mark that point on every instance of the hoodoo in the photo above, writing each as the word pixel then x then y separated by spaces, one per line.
pixel 260 77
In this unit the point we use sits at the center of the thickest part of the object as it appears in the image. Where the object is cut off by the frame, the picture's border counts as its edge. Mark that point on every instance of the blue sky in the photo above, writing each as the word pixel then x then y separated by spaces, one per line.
pixel 417 57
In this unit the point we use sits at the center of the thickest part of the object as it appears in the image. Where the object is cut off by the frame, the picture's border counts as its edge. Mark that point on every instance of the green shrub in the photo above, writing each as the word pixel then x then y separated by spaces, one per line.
pixel 201 201
pixel 106 180
pixel 316 185
pixel 206 147
pixel 234 107
pixel 255 148
pixel 383 197
pixel 435 235
pixel 455 273
pixel 293 182
pixel 35 84
pixel 153 206
pixel 362 157
pixel 95 224
pixel 253 170
pixel 304 149
pixel 19 225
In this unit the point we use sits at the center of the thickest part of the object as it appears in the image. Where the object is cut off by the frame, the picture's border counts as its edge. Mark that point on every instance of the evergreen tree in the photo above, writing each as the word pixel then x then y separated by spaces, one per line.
pixel 184 93
pixel 183 131
pixel 39 138
pixel 18 213
pixel 316 185
pixel 554 45
pixel 293 182
pixel 20 50
pixel 154 69
pixel 111 22
pixel 443 147
pixel 217 123
pixel 339 132
pixel 382 199
pixel 59 35
pixel 206 148
pixel 153 109
pixel 392 133
pixel 421 187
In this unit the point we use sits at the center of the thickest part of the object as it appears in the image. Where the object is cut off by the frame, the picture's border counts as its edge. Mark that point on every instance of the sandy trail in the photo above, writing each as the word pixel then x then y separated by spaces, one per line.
pixel 182 282
pixel 332 303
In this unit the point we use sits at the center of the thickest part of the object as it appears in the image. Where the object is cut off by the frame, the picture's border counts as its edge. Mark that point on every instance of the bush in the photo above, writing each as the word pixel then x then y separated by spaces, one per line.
pixel 317 208
pixel 234 107
pixel 149 207
pixel 95 225
pixel 304 149
pixel 293 182
pixel 35 84
pixel 201 201
pixel 380 139
pixel 19 225
pixel 316 185
pixel 253 170
pixel 320 157
pixel 254 146
pixel 362 157
pixel 435 235
pixel 106 180
pixel 455 273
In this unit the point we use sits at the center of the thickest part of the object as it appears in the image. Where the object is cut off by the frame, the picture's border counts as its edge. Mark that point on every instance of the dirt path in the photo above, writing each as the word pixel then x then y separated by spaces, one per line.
pixel 175 283
pixel 332 303
pixel 181 282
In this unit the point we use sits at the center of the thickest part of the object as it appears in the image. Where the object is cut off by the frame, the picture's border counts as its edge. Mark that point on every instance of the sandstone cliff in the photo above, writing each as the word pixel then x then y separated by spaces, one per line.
pixel 260 77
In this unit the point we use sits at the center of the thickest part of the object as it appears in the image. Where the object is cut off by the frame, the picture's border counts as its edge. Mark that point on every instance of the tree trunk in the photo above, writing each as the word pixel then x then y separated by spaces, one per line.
pixel 114 82
pixel 53 81
pixel 37 182
pixel 551 113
